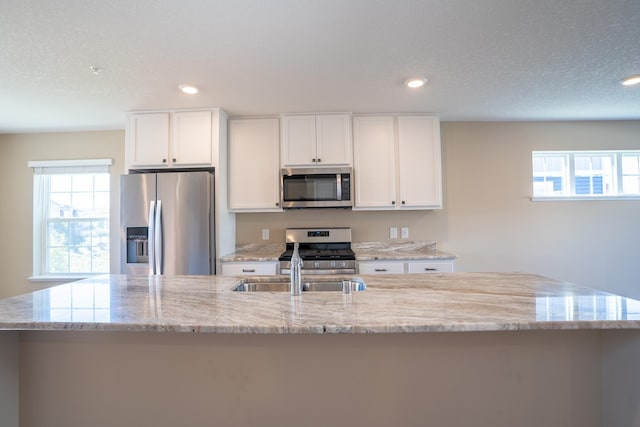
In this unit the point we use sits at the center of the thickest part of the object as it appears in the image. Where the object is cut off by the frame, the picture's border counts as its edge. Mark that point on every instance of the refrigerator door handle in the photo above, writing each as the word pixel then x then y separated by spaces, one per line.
pixel 151 237
pixel 159 264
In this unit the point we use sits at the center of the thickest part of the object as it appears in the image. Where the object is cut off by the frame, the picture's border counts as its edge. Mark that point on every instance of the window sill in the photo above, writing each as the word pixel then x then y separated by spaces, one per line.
pixel 578 198
pixel 59 278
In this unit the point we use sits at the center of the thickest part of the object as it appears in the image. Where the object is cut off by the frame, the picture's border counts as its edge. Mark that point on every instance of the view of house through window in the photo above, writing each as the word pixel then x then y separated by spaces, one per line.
pixel 71 219
pixel 591 174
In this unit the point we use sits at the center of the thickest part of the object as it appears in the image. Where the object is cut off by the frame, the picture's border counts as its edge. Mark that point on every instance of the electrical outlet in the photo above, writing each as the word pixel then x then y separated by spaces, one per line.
pixel 393 232
pixel 405 232
pixel 265 234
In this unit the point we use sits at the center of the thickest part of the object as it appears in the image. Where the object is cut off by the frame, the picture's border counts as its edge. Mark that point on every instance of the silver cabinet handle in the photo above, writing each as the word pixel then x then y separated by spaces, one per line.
pixel 430 269
pixel 380 270
pixel 248 270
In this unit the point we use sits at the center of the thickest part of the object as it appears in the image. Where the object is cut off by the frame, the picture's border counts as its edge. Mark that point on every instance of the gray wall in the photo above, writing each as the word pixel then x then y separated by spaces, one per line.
pixel 488 218
pixel 16 193
pixel 498 379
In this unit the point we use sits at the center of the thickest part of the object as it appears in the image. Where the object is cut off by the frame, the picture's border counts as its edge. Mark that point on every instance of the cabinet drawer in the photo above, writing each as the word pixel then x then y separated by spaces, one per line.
pixel 430 267
pixel 249 268
pixel 381 268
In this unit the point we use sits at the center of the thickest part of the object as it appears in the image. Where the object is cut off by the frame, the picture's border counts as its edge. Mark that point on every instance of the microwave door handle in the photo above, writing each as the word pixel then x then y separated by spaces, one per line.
pixel 339 186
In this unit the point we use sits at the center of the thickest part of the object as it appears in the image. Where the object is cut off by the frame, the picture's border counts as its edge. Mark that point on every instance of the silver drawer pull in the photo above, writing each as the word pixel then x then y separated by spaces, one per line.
pixel 380 270
pixel 430 269
pixel 248 270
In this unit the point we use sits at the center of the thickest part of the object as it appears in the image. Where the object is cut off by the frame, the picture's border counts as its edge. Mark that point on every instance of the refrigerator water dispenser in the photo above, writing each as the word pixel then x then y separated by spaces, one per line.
pixel 138 245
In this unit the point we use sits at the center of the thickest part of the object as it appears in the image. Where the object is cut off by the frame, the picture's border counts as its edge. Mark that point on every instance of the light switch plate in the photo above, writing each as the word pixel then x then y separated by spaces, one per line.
pixel 393 232
pixel 265 234
pixel 405 232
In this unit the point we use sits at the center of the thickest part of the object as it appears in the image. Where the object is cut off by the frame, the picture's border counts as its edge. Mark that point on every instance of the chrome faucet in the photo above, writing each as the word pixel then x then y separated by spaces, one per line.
pixel 296 275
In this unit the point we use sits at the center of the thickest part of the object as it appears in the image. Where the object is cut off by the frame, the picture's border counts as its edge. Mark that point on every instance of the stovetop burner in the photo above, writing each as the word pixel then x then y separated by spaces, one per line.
pixel 323 251
pixel 320 254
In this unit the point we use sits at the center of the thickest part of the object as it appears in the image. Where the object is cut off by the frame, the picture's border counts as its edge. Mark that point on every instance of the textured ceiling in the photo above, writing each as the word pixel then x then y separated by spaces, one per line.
pixel 485 59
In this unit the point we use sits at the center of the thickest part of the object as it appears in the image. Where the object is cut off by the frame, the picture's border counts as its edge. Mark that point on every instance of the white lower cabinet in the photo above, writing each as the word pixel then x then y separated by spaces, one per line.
pixel 445 266
pixel 261 268
pixel 381 267
pixel 406 267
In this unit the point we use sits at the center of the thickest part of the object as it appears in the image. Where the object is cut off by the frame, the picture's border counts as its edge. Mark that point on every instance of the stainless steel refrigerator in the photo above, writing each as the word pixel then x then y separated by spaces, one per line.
pixel 167 223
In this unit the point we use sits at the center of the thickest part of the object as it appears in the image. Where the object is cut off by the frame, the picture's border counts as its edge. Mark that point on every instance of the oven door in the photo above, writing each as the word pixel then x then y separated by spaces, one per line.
pixel 316 188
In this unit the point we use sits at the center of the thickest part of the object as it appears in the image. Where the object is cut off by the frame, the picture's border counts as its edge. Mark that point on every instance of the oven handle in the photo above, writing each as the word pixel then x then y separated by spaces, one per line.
pixel 339 186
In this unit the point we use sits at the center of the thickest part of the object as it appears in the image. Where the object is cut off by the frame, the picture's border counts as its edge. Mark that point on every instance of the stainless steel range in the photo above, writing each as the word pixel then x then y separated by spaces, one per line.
pixel 323 251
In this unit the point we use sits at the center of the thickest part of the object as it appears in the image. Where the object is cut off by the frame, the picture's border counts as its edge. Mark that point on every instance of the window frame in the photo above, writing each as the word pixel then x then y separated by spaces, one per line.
pixel 569 192
pixel 40 220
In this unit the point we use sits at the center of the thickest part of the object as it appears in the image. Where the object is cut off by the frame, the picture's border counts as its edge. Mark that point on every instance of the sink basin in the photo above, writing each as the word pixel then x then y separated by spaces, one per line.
pixel 281 284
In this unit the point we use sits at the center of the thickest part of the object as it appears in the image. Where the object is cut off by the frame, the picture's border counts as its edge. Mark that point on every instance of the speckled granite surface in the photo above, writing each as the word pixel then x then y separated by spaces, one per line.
pixel 391 304
pixel 255 252
pixel 369 251
pixel 365 251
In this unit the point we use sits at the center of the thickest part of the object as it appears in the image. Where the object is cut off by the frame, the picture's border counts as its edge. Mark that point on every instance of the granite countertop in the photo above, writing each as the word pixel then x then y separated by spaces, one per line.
pixel 391 304
pixel 365 251
pixel 419 250
pixel 255 252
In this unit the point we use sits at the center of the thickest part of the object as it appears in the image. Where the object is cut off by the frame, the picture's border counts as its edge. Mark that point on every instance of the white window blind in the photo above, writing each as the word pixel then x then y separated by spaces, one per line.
pixel 71 203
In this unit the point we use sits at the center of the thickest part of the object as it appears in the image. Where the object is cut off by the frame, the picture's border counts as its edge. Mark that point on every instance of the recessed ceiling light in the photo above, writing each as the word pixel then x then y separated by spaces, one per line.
pixel 415 82
pixel 191 90
pixel 631 80
pixel 95 69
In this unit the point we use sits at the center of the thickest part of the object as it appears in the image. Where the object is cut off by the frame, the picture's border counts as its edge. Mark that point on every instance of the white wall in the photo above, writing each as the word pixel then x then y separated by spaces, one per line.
pixel 488 219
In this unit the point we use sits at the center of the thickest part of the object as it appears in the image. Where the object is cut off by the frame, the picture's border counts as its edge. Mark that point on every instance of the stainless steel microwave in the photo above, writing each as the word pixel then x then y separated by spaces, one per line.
pixel 316 188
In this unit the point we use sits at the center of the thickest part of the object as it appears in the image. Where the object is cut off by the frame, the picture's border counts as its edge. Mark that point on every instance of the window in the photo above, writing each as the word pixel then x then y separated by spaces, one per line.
pixel 586 174
pixel 71 217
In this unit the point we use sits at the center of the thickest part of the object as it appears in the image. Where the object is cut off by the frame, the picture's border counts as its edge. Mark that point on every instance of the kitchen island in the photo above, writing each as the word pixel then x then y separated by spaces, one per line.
pixel 497 349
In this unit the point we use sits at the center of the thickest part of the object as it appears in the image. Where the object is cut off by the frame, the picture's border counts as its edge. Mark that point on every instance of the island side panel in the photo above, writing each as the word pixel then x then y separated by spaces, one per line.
pixel 621 378
pixel 535 378
pixel 9 352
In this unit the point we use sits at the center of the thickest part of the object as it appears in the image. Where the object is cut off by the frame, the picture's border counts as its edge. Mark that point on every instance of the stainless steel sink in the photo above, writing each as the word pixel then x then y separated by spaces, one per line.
pixel 315 284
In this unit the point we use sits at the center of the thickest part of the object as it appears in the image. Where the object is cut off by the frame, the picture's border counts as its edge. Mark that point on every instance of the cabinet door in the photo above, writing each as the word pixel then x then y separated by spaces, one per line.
pixel 430 267
pixel 249 268
pixel 191 138
pixel 333 140
pixel 298 146
pixel 419 162
pixel 254 170
pixel 374 162
pixel 148 139
pixel 381 267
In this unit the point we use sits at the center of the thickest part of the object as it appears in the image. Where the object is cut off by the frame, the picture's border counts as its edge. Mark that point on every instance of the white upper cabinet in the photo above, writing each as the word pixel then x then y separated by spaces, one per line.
pixel 169 139
pixel 397 162
pixel 316 140
pixel 148 139
pixel 419 160
pixel 191 138
pixel 254 168
pixel 374 162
